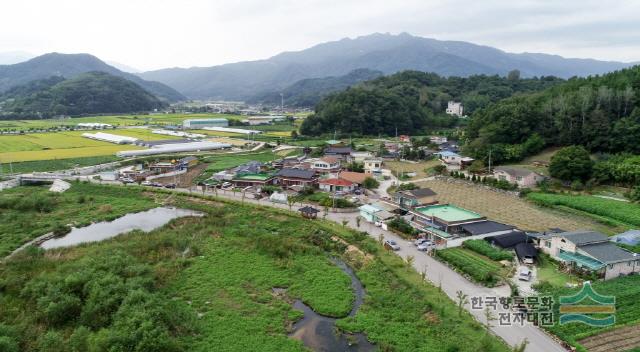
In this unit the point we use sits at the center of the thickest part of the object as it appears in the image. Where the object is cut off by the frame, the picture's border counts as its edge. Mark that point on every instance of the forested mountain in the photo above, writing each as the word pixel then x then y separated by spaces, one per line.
pixel 87 93
pixel 601 113
pixel 380 52
pixel 412 101
pixel 308 92
pixel 71 65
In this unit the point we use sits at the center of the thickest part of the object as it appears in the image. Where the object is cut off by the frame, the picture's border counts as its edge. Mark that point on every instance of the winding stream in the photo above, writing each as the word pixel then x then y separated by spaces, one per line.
pixel 319 333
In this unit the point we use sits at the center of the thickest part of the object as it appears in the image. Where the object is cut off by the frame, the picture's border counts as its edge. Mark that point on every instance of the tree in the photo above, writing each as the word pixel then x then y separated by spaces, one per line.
pixel 294 134
pixel 476 167
pixel 571 163
pixel 370 183
pixel 462 301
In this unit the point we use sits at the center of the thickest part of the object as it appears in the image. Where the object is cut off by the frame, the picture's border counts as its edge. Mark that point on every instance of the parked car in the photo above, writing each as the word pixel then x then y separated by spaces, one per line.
pixel 424 246
pixel 419 241
pixel 391 244
pixel 170 185
pixel 127 180
pixel 147 183
pixel 357 192
pixel 226 184
pixel 524 274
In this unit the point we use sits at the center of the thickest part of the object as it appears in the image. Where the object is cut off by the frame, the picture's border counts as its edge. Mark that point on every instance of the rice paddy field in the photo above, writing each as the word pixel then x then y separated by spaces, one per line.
pixel 508 209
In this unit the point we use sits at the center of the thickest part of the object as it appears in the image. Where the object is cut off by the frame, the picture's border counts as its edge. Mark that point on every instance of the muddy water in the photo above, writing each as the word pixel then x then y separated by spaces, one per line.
pixel 319 332
pixel 146 221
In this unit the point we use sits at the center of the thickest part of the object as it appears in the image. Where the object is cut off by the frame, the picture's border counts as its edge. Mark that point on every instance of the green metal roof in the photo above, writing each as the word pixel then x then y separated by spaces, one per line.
pixel 580 260
pixel 448 213
pixel 253 177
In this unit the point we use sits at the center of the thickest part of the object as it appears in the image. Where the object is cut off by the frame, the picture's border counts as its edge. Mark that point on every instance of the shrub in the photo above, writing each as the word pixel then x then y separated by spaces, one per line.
pixel 401 225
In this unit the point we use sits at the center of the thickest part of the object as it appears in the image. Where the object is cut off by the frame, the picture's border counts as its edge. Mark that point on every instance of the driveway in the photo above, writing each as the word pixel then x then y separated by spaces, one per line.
pixel 439 275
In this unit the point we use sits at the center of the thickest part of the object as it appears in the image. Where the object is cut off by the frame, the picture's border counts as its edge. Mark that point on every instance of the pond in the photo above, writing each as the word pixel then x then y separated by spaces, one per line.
pixel 319 333
pixel 145 221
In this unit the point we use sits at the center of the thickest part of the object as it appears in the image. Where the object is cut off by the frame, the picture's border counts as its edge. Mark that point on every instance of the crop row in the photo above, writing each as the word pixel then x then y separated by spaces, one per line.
pixel 484 248
pixel 617 210
pixel 478 268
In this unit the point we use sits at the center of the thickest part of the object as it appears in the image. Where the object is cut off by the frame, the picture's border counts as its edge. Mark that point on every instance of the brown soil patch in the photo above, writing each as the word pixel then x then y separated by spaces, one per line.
pixel 621 339
pixel 186 179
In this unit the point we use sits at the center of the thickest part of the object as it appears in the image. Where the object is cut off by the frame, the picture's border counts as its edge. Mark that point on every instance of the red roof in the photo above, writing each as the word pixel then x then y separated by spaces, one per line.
pixel 336 182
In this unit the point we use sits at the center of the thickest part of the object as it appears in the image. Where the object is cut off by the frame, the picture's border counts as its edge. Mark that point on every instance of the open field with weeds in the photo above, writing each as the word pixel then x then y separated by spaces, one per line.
pixel 223 162
pixel 616 212
pixel 205 284
pixel 29 212
pixel 509 209
pixel 403 167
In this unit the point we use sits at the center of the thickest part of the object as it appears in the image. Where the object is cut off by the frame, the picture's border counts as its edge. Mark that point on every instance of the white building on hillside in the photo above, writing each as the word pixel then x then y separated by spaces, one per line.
pixel 455 108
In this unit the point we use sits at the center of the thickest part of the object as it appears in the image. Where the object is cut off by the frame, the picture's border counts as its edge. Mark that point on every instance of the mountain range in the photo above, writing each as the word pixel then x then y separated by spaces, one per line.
pixel 386 53
pixel 70 66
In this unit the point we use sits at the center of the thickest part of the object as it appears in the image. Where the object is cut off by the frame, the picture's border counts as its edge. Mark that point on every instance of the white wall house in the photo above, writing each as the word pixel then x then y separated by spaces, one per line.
pixel 455 108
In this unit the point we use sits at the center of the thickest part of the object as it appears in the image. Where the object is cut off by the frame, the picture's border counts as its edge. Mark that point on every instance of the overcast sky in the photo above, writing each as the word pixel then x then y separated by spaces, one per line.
pixel 152 34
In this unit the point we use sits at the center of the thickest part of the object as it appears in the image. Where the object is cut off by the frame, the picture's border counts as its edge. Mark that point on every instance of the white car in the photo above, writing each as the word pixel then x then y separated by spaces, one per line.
pixel 419 241
pixel 524 274
pixel 424 246
pixel 147 183
pixel 392 244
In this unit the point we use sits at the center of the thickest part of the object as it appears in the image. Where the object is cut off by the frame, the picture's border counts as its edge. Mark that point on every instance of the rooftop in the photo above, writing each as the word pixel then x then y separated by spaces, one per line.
pixel 607 252
pixel 253 177
pixel 582 237
pixel 448 213
pixel 420 192
pixel 514 171
pixel 336 182
pixel 296 173
pixel 483 227
pixel 355 177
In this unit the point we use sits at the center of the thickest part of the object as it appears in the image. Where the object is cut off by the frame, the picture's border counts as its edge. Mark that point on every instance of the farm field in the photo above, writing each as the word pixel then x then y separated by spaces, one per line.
pixel 607 210
pixel 206 284
pixel 116 120
pixel 477 266
pixel 511 210
pixel 68 153
pixel 398 167
pixel 56 164
pixel 222 162
pixel 626 290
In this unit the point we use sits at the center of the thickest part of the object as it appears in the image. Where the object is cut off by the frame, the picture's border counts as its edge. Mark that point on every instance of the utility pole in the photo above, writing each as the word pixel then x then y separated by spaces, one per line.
pixel 489 160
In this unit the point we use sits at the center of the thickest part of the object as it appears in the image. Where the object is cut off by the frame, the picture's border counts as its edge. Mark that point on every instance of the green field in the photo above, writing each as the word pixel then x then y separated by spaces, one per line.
pixel 223 162
pixel 626 291
pixel 609 211
pixel 477 266
pixel 205 284
pixel 56 164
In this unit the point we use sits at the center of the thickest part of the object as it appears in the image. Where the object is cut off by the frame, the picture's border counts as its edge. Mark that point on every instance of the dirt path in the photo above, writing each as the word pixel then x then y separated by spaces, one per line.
pixel 622 339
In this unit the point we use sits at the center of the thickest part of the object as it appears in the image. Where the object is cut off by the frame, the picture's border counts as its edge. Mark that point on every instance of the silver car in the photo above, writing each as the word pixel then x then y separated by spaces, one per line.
pixel 392 244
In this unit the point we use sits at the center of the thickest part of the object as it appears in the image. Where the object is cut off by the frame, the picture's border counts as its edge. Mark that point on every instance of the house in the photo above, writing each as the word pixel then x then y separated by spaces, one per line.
pixel 590 251
pixel 188 161
pixel 455 108
pixel 342 153
pixel 373 166
pixel 356 177
pixel 414 198
pixel 442 222
pixel 437 140
pixel 324 165
pixel 336 185
pixel 522 177
pixel 164 167
pixel 375 213
pixel 359 157
pixel 630 238
pixel 517 241
pixel 451 158
pixel 257 180
pixel 295 177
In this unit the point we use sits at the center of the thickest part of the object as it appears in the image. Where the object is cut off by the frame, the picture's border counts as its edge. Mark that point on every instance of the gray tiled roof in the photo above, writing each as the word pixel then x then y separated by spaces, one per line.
pixel 421 192
pixel 607 252
pixel 296 173
pixel 514 171
pixel 582 237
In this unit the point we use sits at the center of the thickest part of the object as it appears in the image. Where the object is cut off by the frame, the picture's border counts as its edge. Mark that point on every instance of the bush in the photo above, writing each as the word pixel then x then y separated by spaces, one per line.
pixel 370 183
pixel 401 225
pixel 484 248
pixel 61 230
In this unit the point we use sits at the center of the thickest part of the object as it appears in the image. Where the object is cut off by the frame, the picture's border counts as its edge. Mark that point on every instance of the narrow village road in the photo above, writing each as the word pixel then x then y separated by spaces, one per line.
pixel 438 274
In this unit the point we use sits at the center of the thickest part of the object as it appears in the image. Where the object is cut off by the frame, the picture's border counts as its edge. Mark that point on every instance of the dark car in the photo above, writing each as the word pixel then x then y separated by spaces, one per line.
pixel 170 185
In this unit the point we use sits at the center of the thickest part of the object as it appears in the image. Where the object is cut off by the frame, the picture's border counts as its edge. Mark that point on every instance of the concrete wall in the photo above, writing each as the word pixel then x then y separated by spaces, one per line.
pixel 625 268
pixel 9 184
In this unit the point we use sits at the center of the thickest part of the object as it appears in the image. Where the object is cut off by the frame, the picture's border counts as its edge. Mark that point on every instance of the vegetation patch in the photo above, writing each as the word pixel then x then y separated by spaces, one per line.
pixel 478 267
pixel 484 248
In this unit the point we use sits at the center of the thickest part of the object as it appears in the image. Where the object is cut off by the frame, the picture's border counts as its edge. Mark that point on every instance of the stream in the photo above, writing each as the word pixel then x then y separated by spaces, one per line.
pixel 319 333
pixel 146 221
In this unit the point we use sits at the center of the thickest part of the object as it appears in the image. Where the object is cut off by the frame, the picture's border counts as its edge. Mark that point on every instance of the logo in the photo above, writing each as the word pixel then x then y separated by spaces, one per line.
pixel 598 310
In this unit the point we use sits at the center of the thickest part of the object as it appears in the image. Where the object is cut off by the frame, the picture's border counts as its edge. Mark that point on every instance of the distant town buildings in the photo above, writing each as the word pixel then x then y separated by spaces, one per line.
pixel 455 108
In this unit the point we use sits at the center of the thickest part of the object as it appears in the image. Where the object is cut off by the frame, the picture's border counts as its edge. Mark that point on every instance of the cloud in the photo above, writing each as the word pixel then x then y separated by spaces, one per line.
pixel 166 33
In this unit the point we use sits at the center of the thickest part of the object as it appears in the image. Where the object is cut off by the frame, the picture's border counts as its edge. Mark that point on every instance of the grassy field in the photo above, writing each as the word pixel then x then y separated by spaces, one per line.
pixel 398 167
pixel 614 212
pixel 206 285
pixel 549 272
pixel 475 265
pixel 223 162
pixel 57 164
pixel 29 212
pixel 510 210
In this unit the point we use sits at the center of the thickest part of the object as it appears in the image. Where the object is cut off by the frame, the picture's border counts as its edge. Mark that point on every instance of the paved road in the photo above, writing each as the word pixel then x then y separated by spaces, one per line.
pixel 440 275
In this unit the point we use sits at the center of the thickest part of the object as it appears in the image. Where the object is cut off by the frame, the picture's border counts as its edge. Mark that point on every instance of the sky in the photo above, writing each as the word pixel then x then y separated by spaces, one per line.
pixel 156 34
